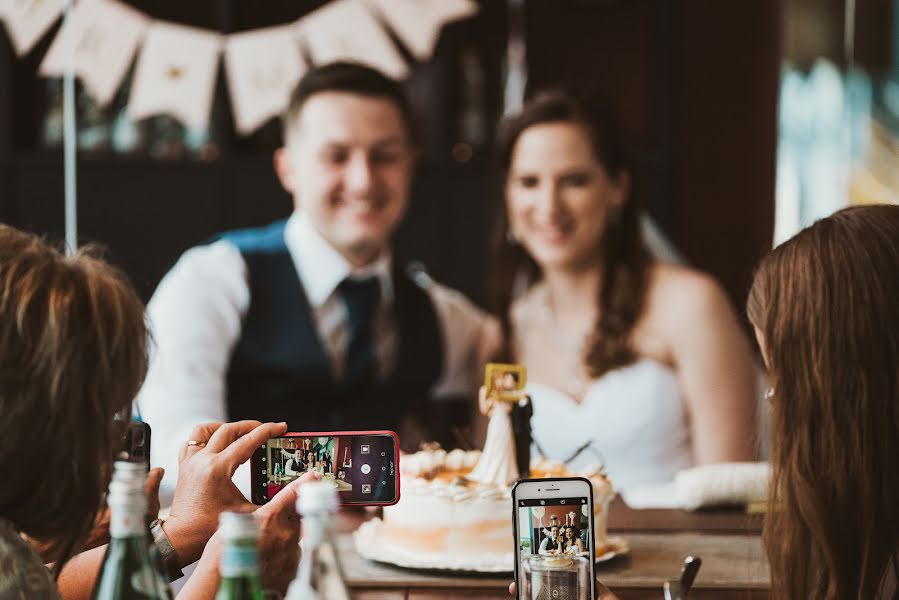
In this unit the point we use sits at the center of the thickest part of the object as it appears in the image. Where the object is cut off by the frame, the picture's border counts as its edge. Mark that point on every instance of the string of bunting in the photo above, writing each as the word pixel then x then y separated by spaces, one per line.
pixel 176 64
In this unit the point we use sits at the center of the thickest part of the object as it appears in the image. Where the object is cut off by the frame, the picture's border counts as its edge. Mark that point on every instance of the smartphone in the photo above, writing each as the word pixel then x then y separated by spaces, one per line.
pixel 363 465
pixel 554 541
pixel 136 443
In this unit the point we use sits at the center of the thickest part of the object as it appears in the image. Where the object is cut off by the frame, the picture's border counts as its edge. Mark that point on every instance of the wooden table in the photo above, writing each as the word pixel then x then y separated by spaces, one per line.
pixel 734 565
pixel 623 518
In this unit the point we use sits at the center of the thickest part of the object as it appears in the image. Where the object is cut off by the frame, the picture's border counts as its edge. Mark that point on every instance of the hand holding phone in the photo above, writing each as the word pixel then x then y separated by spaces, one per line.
pixel 554 549
pixel 362 465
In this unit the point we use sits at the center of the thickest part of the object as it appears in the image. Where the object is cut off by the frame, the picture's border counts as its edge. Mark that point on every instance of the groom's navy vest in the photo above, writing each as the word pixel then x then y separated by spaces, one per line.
pixel 280 370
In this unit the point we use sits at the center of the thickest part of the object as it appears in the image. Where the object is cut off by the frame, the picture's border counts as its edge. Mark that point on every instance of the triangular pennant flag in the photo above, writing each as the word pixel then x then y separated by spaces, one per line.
pixel 418 22
pixel 28 20
pixel 175 74
pixel 348 30
pixel 106 34
pixel 262 67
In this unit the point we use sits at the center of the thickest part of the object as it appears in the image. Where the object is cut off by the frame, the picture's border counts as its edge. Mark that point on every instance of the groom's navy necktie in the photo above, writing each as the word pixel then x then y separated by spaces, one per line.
pixel 361 297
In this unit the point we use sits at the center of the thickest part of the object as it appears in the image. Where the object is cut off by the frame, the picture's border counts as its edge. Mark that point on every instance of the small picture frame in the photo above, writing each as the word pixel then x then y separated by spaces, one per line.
pixel 505 382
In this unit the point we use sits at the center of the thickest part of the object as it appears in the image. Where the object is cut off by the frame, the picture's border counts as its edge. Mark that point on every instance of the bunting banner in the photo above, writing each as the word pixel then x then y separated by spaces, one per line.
pixel 106 36
pixel 262 68
pixel 418 22
pixel 28 20
pixel 175 74
pixel 348 30
pixel 177 65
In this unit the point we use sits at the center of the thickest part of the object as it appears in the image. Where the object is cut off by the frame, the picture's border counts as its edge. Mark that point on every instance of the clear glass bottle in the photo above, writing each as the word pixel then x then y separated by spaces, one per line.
pixel 319 576
pixel 128 569
pixel 239 568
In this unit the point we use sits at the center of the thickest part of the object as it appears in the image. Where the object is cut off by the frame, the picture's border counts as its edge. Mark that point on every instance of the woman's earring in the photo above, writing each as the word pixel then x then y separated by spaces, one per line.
pixel 769 393
pixel 511 238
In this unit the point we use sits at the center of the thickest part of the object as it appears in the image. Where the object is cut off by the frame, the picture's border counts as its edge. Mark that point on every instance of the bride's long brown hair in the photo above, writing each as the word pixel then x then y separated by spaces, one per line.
pixel 623 258
pixel 826 304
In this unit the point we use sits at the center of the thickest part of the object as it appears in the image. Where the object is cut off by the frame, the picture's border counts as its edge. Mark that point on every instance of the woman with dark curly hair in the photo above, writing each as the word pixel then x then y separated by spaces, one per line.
pixel 644 362
pixel 573 542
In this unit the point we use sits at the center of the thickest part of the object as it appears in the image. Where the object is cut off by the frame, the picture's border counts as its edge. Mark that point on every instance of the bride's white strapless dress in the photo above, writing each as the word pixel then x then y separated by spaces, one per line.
pixel 634 419
pixel 497 464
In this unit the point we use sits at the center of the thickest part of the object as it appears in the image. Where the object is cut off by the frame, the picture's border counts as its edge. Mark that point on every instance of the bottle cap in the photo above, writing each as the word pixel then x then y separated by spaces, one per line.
pixel 123 469
pixel 238 526
pixel 317 497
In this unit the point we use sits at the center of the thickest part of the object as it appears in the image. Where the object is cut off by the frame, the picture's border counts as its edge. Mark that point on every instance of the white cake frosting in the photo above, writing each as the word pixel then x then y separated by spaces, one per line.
pixel 449 518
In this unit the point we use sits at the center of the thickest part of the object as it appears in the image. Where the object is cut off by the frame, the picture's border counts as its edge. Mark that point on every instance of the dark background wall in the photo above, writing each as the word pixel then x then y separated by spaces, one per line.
pixel 696 83
pixel 695 80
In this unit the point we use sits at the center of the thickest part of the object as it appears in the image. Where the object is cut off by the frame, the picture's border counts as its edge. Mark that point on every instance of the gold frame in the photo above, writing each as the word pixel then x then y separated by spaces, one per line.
pixel 490 371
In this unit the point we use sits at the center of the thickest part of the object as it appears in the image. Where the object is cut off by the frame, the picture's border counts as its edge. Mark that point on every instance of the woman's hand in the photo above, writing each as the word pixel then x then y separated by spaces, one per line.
pixel 151 489
pixel 205 489
pixel 602 592
pixel 278 546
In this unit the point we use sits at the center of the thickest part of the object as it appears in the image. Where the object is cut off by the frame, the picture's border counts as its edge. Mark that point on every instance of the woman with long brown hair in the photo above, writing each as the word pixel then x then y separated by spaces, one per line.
pixel 825 306
pixel 73 353
pixel 639 364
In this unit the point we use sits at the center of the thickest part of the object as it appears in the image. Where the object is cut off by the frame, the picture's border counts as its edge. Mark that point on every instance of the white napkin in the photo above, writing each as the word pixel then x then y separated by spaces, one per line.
pixel 707 485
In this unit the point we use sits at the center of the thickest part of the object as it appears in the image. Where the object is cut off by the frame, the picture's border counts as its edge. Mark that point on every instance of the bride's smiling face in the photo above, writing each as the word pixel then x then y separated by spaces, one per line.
pixel 559 196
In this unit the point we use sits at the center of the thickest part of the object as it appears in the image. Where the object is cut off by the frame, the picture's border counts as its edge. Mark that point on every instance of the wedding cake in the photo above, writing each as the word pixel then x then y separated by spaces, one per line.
pixel 455 509
pixel 449 521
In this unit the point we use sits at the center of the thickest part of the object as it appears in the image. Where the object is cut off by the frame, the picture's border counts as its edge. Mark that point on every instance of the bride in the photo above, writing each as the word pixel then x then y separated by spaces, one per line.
pixel 637 364
pixel 497 464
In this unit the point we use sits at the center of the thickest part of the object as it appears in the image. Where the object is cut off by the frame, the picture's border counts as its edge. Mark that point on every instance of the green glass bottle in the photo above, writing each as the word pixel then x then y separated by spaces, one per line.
pixel 128 570
pixel 239 568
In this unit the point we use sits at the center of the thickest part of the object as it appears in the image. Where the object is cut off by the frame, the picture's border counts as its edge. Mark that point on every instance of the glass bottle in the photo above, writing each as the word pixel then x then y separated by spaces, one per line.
pixel 319 576
pixel 239 568
pixel 128 569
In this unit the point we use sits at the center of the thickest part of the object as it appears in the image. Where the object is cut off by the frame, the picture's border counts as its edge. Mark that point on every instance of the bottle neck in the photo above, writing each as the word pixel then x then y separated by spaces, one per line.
pixel 239 559
pixel 127 502
pixel 127 521
pixel 317 503
pixel 320 575
pixel 316 528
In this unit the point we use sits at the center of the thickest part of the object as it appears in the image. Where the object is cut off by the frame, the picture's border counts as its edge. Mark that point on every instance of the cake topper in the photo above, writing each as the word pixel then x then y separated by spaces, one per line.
pixel 505 382
pixel 507 450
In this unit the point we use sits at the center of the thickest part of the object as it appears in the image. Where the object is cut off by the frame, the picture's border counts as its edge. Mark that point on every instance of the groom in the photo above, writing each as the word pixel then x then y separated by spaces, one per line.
pixel 522 411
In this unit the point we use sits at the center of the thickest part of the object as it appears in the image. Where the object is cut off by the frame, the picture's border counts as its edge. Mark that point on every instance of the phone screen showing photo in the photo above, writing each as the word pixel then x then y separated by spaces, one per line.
pixel 554 553
pixel 361 467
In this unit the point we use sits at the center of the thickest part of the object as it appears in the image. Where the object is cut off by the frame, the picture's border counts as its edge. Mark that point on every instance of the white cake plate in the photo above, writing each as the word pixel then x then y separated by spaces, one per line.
pixel 371 544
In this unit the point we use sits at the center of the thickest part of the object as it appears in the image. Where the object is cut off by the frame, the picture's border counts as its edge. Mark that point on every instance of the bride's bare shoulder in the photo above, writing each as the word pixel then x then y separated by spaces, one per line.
pixel 676 293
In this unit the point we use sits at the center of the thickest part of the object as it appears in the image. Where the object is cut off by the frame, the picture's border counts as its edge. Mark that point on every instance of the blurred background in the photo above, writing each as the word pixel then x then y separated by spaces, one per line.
pixel 747 121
